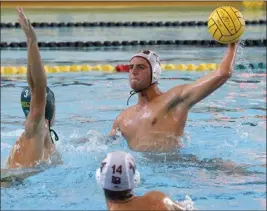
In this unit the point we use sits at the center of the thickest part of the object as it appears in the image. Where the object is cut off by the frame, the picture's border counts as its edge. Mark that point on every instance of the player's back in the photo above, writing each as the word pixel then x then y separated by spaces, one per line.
pixel 153 200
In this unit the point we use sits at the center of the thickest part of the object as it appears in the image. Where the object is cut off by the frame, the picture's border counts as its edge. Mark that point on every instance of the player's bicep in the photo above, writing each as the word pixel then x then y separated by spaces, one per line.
pixel 113 130
pixel 116 124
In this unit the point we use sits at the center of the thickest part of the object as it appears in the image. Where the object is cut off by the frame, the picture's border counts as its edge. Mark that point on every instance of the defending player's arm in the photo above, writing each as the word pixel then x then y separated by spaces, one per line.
pixel 36 77
pixel 8 176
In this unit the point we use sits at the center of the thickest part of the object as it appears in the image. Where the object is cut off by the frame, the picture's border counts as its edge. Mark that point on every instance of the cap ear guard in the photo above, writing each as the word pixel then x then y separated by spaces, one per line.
pixel 156 73
pixel 137 178
pixel 157 68
pixel 97 177
pixel 50 104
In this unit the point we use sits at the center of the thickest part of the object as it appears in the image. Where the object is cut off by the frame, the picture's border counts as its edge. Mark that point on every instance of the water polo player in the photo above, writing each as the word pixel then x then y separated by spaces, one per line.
pixel 118 176
pixel 158 119
pixel 35 145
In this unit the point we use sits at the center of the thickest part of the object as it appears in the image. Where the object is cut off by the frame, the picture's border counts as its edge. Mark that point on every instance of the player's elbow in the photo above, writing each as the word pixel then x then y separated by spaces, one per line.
pixel 37 114
pixel 226 71
pixel 225 74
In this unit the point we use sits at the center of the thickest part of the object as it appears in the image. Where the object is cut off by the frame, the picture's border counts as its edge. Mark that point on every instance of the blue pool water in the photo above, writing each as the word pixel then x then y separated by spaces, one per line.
pixel 230 124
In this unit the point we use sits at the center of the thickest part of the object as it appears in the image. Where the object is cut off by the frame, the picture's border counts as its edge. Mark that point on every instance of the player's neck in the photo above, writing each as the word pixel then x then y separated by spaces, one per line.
pixel 110 202
pixel 149 94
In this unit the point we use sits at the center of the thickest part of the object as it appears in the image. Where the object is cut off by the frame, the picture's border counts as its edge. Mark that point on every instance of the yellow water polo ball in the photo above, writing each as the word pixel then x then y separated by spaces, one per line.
pixel 226 24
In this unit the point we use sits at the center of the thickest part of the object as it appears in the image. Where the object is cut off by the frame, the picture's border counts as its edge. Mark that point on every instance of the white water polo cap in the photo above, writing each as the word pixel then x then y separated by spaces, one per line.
pixel 118 172
pixel 153 61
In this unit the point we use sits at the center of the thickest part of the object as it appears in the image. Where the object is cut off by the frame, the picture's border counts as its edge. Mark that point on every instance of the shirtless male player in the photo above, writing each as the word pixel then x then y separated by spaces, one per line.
pixel 158 119
pixel 35 145
pixel 118 176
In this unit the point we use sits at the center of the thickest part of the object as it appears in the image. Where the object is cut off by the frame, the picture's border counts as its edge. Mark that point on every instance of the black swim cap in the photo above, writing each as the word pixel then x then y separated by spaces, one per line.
pixel 25 100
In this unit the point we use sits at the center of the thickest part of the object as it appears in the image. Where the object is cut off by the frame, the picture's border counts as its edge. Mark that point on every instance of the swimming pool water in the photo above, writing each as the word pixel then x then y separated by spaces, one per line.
pixel 229 124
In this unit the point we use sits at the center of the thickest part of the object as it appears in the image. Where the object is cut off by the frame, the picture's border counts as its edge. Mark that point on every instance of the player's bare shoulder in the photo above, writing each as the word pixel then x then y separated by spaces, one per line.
pixel 177 90
pixel 164 199
pixel 156 195
pixel 126 112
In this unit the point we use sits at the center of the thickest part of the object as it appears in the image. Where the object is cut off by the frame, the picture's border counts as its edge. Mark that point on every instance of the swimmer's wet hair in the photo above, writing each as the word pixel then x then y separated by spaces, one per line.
pixel 118 195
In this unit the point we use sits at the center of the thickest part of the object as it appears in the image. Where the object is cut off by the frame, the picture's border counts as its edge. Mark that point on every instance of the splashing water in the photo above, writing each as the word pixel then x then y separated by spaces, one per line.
pixel 188 203
pixel 240 59
pixel 185 139
pixel 15 133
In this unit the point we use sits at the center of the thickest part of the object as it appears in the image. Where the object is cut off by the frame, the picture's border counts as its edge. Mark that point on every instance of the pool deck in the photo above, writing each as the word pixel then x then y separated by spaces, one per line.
pixel 117 4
